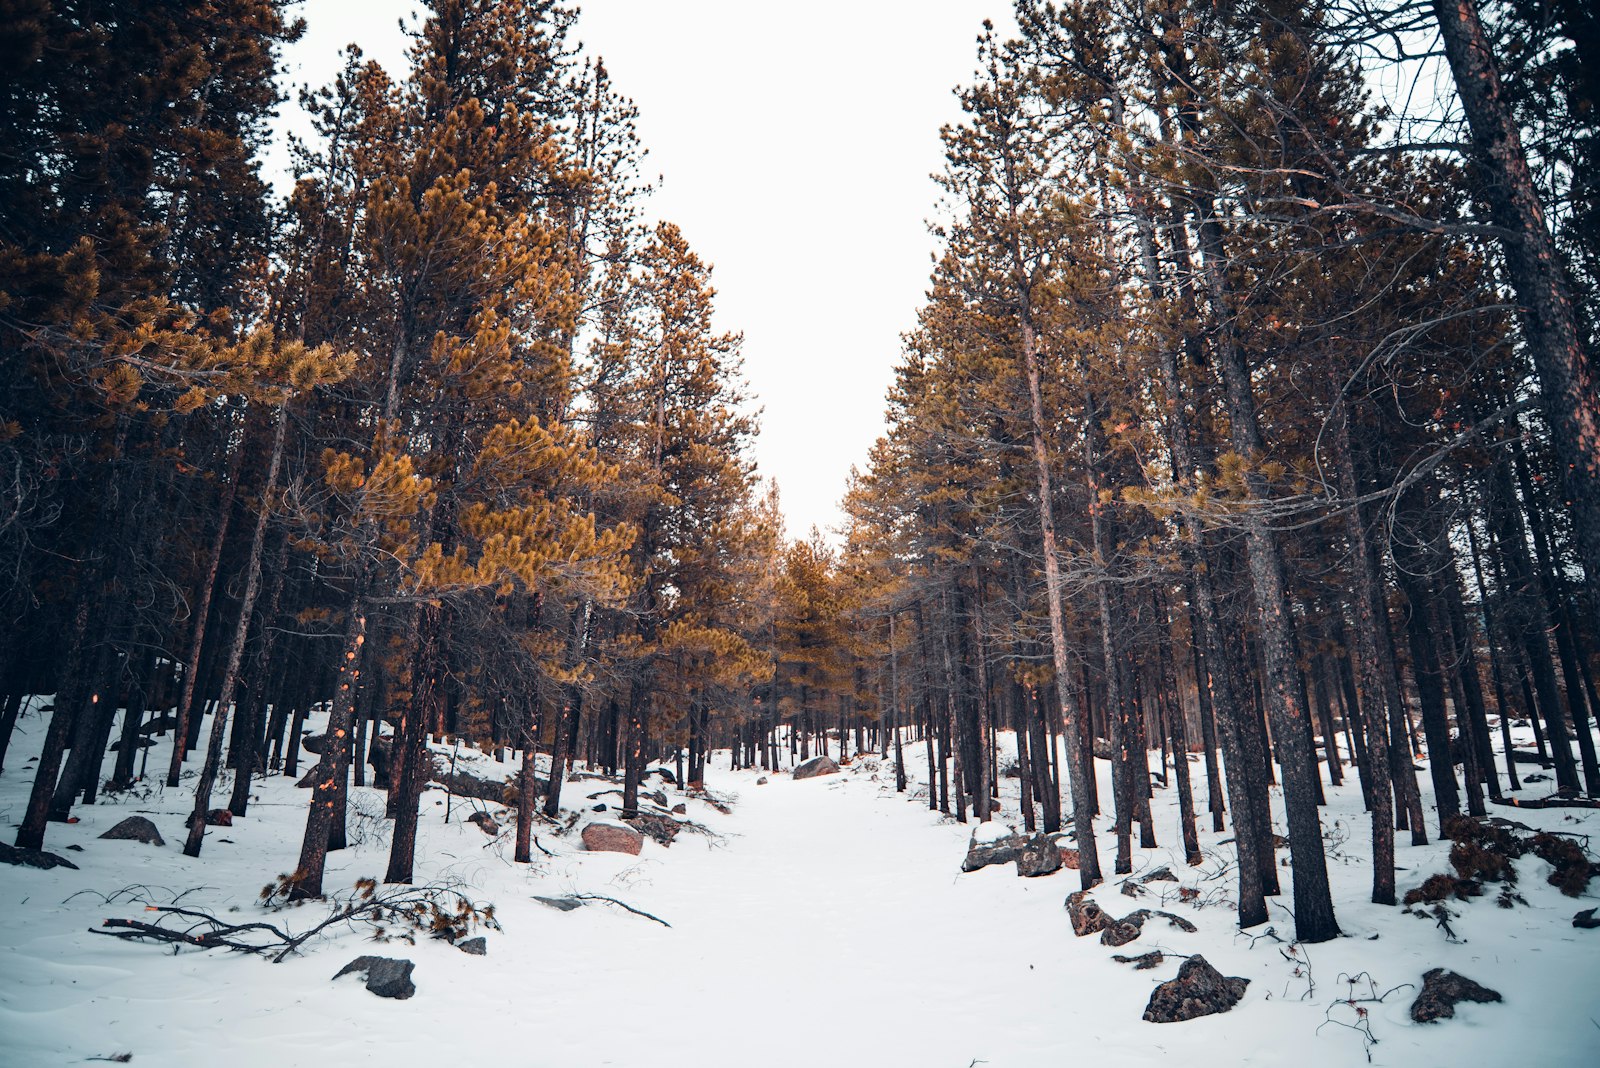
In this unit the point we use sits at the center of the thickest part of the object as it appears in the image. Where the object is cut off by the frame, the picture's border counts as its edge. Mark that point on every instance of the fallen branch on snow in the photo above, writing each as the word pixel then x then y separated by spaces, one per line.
pixel 623 904
pixel 441 911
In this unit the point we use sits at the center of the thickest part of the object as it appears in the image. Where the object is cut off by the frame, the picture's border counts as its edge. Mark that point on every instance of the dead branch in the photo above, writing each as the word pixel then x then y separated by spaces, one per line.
pixel 623 904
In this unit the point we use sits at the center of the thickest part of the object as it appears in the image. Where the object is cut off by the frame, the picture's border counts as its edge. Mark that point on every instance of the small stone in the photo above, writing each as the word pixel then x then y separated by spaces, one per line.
pixel 560 904
pixel 680 810
pixel 1584 919
pixel 612 838
pixel 1160 875
pixel 1130 888
pixel 75 847
pixel 1442 991
pixel 659 797
pixel 1143 962
pixel 477 947
pixel 485 823
pixel 762 781
pixel 816 766
pixel 387 977
pixel 135 829
pixel 219 817
pixel 601 807
pixel 1199 990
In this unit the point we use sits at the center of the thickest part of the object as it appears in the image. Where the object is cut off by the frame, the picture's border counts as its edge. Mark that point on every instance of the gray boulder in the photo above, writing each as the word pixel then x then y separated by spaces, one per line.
pixel 387 977
pixel 464 782
pixel 999 851
pixel 1199 990
pixel 816 766
pixel 1038 856
pixel 137 829
pixel 477 947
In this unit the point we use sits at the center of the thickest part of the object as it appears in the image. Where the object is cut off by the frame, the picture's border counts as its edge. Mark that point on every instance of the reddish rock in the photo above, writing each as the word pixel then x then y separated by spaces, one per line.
pixel 612 838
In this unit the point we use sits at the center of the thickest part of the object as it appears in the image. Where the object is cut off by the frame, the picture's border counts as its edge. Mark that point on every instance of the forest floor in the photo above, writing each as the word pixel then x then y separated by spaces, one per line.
pixel 822 921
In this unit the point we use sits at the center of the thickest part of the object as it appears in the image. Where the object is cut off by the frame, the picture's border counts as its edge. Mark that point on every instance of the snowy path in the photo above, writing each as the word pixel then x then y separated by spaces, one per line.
pixel 828 925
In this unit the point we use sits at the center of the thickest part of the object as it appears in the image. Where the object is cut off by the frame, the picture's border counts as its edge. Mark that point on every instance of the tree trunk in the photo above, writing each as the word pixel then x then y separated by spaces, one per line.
pixel 1286 704
pixel 241 632
pixel 202 612
pixel 331 767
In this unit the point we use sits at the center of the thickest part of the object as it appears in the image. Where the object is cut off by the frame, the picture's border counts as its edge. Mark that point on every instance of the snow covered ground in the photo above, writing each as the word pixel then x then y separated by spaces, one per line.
pixel 824 922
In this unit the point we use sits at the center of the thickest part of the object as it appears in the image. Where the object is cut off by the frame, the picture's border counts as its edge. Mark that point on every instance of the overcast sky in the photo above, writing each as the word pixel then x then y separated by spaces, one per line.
pixel 793 143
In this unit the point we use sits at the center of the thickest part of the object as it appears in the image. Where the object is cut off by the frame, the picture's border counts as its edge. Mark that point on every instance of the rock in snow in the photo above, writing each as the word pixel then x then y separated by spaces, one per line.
pixel 983 854
pixel 1038 856
pixel 32 858
pixel 1199 990
pixel 477 947
pixel 816 766
pixel 1442 991
pixel 1585 919
pixel 137 829
pixel 612 838
pixel 485 823
pixel 662 828
pixel 387 977
pixel 1087 916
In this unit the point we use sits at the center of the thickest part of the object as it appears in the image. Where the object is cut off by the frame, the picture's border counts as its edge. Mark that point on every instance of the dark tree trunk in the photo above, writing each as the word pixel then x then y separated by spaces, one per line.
pixel 31 834
pixel 1314 916
pixel 202 610
pixel 230 678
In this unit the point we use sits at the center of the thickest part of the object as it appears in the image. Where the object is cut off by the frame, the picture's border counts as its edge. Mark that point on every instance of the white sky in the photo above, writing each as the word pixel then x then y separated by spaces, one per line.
pixel 793 143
